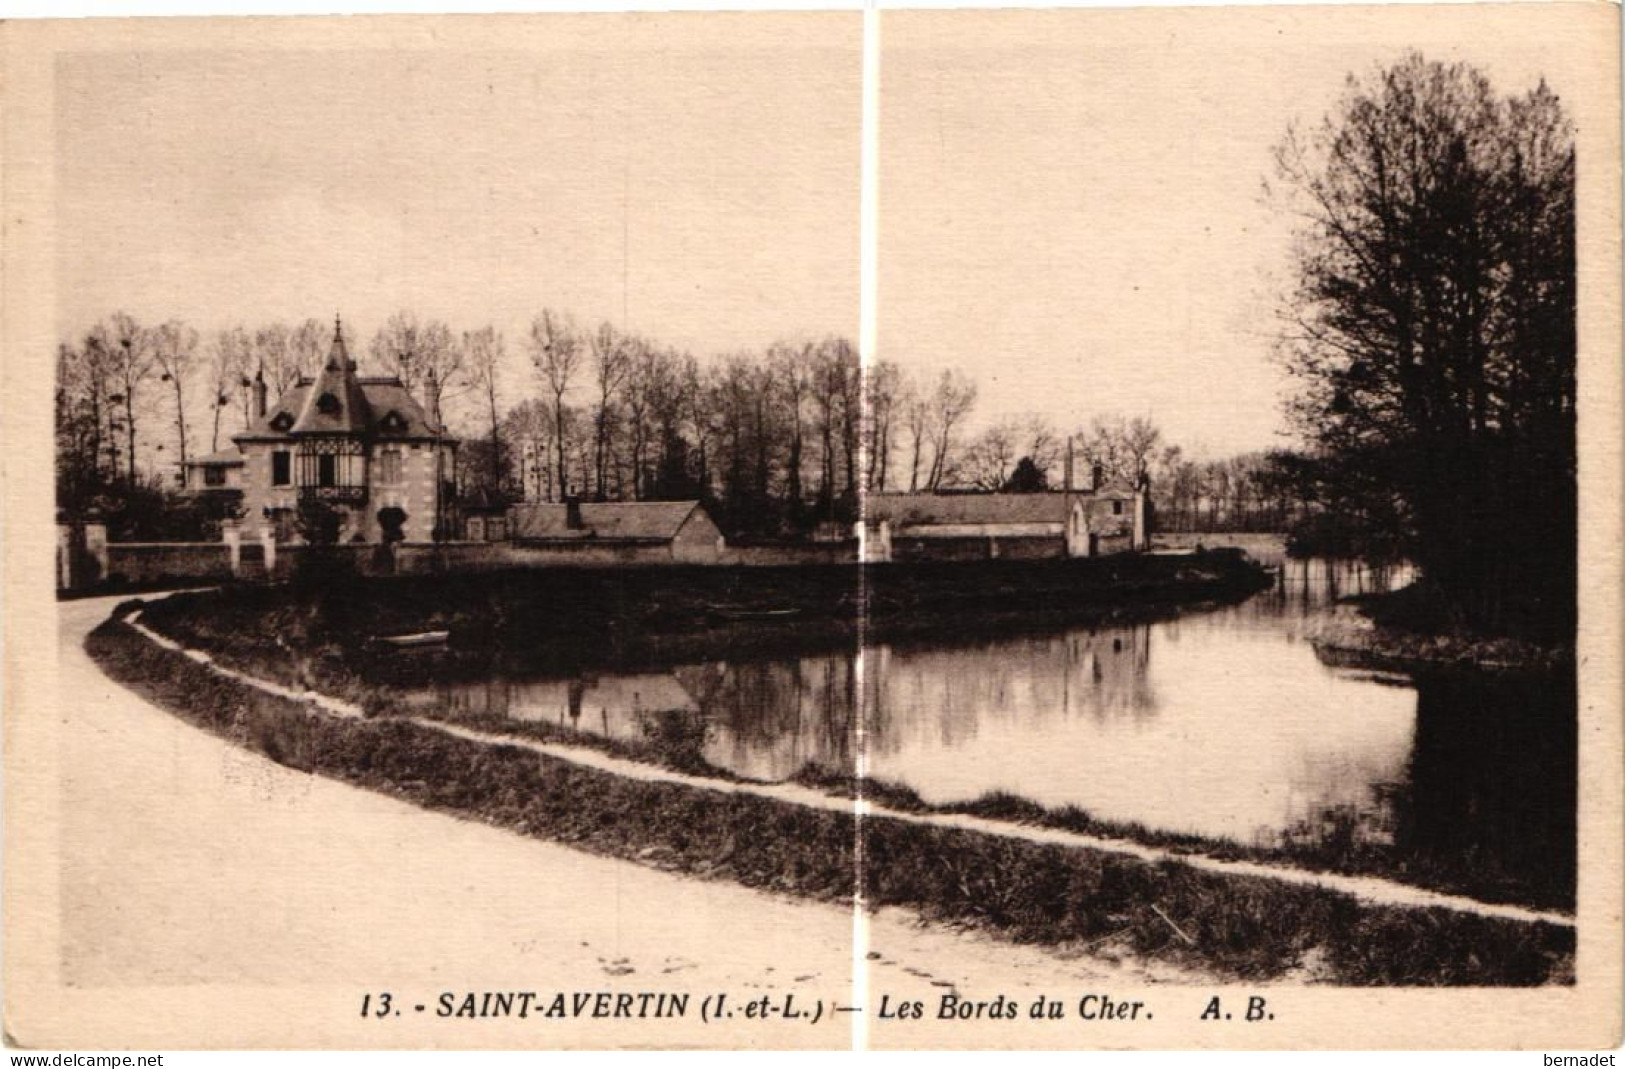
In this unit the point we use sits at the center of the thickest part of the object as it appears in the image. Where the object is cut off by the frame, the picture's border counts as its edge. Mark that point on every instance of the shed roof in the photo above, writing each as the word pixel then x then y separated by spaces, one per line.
pixel 929 509
pixel 629 521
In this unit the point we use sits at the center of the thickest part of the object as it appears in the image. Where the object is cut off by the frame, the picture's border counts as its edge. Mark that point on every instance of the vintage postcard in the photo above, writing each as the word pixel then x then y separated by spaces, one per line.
pixel 839 529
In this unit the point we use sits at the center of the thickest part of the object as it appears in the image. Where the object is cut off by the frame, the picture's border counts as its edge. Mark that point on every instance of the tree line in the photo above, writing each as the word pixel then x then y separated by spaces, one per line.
pixel 776 440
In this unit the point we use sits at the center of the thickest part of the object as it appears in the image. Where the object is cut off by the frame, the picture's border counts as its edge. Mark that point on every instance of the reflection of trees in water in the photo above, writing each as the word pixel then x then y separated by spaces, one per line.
pixel 945 696
pixel 1493 777
pixel 774 716
pixel 1488 800
pixel 1307 585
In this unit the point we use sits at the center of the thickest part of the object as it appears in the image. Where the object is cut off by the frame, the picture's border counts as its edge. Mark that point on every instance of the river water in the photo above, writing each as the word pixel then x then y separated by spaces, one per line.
pixel 1222 724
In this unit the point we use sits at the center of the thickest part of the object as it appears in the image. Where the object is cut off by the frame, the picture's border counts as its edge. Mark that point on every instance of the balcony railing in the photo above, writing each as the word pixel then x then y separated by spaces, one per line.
pixel 334 495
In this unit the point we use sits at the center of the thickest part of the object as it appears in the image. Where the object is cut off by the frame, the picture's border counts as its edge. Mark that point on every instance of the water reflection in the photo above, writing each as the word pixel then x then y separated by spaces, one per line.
pixel 1220 724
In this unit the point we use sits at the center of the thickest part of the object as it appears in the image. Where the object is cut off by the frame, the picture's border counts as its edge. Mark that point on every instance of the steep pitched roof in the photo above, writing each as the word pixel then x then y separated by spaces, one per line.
pixel 335 403
pixel 630 521
pixel 932 509
pixel 338 401
pixel 395 412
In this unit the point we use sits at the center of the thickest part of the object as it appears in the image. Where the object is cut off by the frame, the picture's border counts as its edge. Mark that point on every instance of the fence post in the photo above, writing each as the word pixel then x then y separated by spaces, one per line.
pixel 64 556
pixel 232 535
pixel 96 547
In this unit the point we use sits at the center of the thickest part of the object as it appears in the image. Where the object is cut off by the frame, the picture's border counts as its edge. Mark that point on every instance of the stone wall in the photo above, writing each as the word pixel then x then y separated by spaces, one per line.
pixel 152 562
pixel 792 554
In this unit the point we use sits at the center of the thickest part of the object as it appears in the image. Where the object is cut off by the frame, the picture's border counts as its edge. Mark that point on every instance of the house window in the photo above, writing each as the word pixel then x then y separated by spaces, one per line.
pixel 327 470
pixel 1117 508
pixel 281 468
pixel 389 467
pixel 214 475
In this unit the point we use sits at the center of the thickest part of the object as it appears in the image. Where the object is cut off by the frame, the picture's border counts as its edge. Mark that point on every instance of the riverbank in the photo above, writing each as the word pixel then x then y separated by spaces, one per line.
pixel 684 725
pixel 577 619
pixel 1404 631
pixel 1250 928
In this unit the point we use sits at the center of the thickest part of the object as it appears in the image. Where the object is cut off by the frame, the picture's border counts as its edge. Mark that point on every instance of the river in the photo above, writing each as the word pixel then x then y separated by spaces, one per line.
pixel 1222 724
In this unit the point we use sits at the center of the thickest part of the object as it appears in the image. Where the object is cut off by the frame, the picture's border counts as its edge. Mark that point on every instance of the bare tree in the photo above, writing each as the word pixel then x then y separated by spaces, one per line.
pixel 125 348
pixel 175 351
pixel 951 402
pixel 556 350
pixel 422 355
pixel 273 352
pixel 917 424
pixel 307 347
pixel 611 356
pixel 992 456
pixel 230 351
pixel 483 355
pixel 882 384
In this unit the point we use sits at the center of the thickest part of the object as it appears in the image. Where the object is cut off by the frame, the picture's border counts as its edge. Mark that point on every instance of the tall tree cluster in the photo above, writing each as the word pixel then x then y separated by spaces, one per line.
pixel 772 439
pixel 778 441
pixel 1432 332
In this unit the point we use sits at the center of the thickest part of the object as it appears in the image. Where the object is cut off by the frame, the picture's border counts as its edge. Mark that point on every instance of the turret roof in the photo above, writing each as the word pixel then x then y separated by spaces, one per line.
pixel 336 404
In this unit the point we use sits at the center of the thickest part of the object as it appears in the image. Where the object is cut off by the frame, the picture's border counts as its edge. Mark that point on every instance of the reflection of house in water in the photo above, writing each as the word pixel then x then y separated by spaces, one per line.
pixel 769 718
pixel 603 704
pixel 765 719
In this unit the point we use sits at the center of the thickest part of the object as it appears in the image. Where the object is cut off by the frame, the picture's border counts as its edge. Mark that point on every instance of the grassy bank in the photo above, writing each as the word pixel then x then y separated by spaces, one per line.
pixel 676 740
pixel 1464 876
pixel 1409 629
pixel 1234 927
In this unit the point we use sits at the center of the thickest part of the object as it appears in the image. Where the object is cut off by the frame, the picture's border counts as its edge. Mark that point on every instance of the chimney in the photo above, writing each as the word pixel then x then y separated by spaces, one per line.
pixel 572 513
pixel 259 393
pixel 1067 486
pixel 431 398
pixel 1097 476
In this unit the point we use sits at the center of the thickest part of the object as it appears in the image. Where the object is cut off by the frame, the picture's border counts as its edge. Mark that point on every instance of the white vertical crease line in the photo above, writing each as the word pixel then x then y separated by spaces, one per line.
pixel 868 307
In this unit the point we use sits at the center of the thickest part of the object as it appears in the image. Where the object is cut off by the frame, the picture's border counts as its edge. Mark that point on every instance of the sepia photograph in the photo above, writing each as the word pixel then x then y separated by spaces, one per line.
pixel 890 529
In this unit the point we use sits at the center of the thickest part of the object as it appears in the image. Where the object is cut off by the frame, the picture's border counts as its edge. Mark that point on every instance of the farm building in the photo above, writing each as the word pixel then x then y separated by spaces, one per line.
pixel 679 531
pixel 1108 519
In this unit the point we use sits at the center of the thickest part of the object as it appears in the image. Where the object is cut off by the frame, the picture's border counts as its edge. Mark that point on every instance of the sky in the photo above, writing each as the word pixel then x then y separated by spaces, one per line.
pixel 690 178
pixel 1071 203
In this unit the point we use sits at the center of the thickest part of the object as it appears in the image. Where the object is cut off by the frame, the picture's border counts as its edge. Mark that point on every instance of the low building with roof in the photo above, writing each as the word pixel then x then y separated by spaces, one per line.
pixel 679 531
pixel 215 473
pixel 484 513
pixel 1110 517
pixel 359 445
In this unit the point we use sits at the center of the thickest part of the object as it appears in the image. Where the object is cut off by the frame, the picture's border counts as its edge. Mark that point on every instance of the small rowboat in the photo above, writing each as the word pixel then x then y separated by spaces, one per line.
pixel 723 612
pixel 408 642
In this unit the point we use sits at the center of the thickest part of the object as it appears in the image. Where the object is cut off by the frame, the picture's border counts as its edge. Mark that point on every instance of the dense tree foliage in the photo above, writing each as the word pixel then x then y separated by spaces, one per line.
pixel 1433 333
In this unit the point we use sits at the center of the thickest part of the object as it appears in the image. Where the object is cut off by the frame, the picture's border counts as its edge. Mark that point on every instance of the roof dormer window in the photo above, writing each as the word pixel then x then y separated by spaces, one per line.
pixel 328 405
pixel 282 422
pixel 393 422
